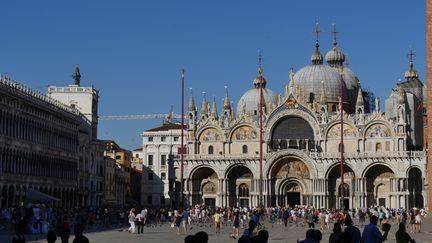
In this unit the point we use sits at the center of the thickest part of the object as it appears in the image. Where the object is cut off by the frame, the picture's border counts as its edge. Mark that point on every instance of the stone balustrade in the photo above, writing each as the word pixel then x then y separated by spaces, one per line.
pixel 14 86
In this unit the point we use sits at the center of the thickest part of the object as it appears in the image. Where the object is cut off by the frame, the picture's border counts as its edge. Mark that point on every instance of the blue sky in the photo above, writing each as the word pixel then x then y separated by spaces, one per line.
pixel 133 51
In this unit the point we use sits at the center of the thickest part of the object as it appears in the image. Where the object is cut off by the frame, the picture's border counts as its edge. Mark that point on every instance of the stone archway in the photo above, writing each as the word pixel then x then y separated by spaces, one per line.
pixel 415 187
pixel 291 194
pixel 236 176
pixel 378 185
pixel 204 186
pixel 283 174
pixel 335 193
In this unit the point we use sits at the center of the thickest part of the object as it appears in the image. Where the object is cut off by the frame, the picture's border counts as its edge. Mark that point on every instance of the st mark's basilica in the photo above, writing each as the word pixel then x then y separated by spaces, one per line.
pixel 384 156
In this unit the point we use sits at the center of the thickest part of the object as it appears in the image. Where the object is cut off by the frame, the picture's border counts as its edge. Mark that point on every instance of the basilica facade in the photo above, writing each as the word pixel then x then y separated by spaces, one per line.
pixel 384 163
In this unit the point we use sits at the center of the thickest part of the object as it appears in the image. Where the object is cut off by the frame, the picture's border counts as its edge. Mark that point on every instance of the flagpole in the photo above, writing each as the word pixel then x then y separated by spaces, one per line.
pixel 342 203
pixel 181 150
pixel 261 133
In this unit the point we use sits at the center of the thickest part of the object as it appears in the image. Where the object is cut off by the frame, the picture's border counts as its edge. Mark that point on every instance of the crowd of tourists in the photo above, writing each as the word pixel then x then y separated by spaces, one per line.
pixel 245 224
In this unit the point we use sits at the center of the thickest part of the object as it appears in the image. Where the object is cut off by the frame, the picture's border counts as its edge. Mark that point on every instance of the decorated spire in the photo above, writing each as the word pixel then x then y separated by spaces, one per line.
pixel 317 58
pixel 77 76
pixel 360 99
pixel 227 104
pixel 260 78
pixel 411 73
pixel 214 109
pixel 232 114
pixel 204 105
pixel 191 105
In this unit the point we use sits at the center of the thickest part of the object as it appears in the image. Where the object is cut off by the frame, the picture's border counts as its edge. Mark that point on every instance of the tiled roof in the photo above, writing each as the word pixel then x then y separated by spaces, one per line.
pixel 165 127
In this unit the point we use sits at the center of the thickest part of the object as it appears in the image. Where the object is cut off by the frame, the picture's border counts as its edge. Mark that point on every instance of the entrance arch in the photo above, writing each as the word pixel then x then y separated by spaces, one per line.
pixel 378 186
pixel 289 176
pixel 239 181
pixel 291 194
pixel 415 186
pixel 204 186
pixel 334 189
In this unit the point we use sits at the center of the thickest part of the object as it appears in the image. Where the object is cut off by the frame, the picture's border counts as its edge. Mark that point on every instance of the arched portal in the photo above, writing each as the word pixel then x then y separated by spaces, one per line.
pixel 283 174
pixel 239 176
pixel 378 185
pixel 415 186
pixel 292 132
pixel 204 186
pixel 292 194
pixel 337 194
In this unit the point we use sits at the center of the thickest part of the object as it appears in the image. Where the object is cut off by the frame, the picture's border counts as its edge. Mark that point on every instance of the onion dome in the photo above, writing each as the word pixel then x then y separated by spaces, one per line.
pixel 335 57
pixel 411 73
pixel 318 78
pixel 249 102
pixel 259 80
pixel 316 57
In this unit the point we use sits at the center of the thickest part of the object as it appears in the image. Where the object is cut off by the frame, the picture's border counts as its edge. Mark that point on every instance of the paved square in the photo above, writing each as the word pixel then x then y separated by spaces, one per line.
pixel 166 234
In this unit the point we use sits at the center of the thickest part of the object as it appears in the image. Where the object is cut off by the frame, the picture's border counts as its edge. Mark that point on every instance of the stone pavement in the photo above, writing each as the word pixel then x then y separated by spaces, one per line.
pixel 166 234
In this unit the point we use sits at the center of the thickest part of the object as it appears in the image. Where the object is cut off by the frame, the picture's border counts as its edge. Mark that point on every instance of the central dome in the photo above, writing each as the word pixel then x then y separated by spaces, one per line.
pixel 249 102
pixel 314 78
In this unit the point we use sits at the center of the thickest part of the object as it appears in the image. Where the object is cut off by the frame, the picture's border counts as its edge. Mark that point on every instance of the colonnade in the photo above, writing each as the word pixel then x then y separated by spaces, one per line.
pixel 360 192
pixel 12 195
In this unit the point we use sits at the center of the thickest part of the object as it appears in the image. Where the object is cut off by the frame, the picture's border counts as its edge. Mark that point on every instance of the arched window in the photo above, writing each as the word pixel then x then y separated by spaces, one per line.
pixel 210 149
pixel 243 190
pixel 245 149
pixel 345 191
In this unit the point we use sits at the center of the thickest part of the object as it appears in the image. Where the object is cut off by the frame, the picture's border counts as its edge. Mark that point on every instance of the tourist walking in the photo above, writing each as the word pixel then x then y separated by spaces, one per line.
pixel 371 233
pixel 19 237
pixel 337 233
pixel 185 221
pixel 140 223
pixel 417 222
pixel 352 231
pixel 236 224
pixel 402 236
pixel 79 237
pixel 131 218
pixel 217 221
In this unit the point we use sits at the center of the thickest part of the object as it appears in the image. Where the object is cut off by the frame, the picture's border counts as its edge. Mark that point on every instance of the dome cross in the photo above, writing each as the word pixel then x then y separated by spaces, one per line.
pixel 334 34
pixel 317 32
pixel 411 56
